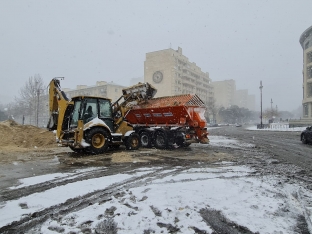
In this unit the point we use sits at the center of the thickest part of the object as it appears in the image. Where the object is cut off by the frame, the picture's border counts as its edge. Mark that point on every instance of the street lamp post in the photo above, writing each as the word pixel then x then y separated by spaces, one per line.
pixel 261 103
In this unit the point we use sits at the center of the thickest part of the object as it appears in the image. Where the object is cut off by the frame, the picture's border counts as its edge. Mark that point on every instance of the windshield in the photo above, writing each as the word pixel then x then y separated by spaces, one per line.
pixel 90 109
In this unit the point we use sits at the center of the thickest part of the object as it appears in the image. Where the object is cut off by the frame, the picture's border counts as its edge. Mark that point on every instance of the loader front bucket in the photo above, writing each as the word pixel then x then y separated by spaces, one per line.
pixel 139 92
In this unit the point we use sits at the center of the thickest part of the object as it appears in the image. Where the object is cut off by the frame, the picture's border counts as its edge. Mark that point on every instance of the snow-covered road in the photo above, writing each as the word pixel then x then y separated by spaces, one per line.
pixel 177 200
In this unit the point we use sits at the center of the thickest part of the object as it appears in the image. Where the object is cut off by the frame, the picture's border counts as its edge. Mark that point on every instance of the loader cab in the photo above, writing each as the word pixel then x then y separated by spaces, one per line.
pixel 89 108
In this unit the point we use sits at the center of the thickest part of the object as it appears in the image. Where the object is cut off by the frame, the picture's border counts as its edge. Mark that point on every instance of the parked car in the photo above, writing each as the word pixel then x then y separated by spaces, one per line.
pixel 306 135
pixel 238 125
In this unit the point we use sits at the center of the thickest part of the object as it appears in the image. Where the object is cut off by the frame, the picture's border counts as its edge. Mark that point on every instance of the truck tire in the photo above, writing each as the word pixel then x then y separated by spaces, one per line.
pixel 160 140
pixel 145 139
pixel 98 140
pixel 133 142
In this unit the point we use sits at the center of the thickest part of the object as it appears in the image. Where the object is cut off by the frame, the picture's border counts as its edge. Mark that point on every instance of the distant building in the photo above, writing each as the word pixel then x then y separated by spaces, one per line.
pixel 224 92
pixel 101 89
pixel 226 95
pixel 241 98
pixel 171 73
pixel 251 102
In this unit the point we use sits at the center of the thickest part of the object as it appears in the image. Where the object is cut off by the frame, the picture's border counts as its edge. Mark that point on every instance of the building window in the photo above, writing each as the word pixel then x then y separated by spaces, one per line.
pixel 309 72
pixel 305 110
pixel 306 46
pixel 309 57
pixel 309 90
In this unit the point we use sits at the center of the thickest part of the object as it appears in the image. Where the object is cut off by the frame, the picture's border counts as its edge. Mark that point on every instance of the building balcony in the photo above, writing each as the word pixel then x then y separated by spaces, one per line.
pixel 188 79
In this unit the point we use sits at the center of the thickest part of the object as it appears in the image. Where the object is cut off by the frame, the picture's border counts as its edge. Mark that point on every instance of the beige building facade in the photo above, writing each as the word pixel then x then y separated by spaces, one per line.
pixel 306 43
pixel 100 89
pixel 226 95
pixel 224 92
pixel 171 73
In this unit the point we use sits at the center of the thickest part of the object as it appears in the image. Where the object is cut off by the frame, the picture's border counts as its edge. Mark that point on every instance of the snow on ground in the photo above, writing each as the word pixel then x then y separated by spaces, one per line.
pixel 49 177
pixel 13 210
pixel 263 204
pixel 227 142
pixel 259 203
pixel 278 128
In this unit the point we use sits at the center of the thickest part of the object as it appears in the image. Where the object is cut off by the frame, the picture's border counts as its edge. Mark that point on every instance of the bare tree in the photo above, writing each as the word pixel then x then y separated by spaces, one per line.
pixel 28 102
pixel 270 113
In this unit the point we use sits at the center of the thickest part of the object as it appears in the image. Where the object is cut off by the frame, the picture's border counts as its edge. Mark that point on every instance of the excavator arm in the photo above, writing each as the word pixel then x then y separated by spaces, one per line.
pixel 58 103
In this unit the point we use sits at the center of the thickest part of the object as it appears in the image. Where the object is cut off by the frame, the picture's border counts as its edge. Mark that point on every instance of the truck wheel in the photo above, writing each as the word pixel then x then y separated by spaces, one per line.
pixel 98 140
pixel 133 142
pixel 160 140
pixel 145 140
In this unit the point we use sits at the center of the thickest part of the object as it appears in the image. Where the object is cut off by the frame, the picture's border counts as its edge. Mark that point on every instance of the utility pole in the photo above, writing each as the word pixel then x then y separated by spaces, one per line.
pixel 261 126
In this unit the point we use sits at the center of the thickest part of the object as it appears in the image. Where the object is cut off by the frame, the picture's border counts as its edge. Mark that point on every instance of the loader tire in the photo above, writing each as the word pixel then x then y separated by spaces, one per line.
pixel 145 139
pixel 133 142
pixel 160 140
pixel 98 138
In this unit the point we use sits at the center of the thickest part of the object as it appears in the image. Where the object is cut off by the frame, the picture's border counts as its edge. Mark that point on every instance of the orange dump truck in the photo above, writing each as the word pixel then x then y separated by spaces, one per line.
pixel 166 121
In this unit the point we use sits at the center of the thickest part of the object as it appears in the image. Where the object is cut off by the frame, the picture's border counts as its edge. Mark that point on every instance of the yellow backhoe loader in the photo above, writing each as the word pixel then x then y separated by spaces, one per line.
pixel 93 124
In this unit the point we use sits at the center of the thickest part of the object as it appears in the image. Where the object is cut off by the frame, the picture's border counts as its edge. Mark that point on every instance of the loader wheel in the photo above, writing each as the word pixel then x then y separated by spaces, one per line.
pixel 145 140
pixel 133 142
pixel 98 140
pixel 160 140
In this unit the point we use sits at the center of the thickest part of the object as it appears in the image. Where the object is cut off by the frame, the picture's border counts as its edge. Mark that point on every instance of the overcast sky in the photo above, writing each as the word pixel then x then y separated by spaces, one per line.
pixel 88 41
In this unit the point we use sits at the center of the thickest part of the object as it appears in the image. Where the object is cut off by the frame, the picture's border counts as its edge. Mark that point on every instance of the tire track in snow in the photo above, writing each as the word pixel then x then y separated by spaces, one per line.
pixel 78 203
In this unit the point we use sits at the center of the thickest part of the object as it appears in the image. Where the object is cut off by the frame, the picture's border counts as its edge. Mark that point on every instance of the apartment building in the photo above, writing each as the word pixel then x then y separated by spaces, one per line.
pixel 171 73
pixel 306 44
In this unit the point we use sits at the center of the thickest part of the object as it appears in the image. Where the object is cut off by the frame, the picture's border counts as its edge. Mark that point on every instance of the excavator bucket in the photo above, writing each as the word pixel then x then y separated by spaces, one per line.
pixel 139 92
